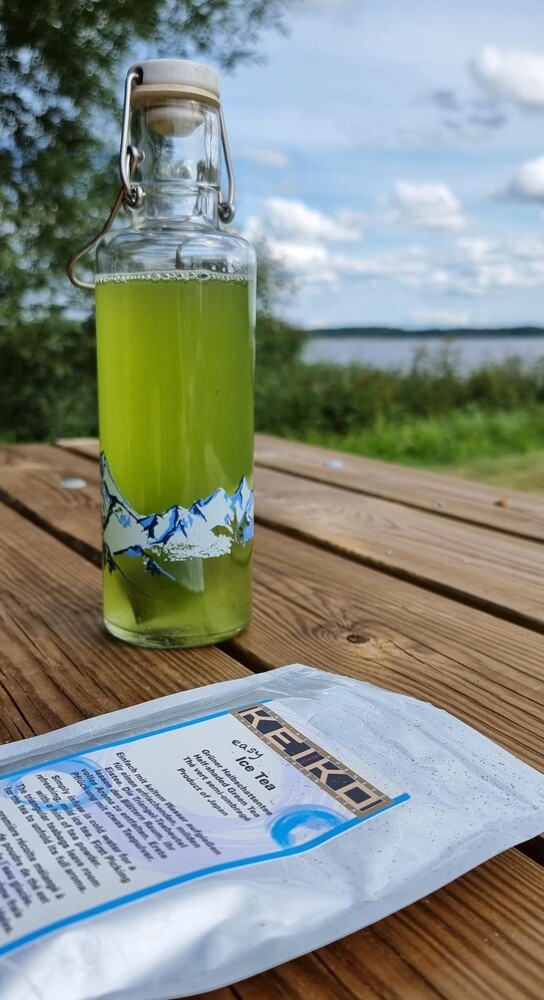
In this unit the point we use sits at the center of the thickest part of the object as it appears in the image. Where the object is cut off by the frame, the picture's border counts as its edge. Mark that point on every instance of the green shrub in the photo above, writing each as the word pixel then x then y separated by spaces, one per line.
pixel 295 399
pixel 48 381
pixel 430 414
pixel 452 438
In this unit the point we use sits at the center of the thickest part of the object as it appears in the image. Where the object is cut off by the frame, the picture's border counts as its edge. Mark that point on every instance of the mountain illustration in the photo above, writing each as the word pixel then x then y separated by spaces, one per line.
pixel 207 529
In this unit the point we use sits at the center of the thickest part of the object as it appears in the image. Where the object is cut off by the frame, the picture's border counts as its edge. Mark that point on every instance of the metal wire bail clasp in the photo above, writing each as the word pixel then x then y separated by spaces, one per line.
pixel 226 207
pixel 130 195
pixel 133 194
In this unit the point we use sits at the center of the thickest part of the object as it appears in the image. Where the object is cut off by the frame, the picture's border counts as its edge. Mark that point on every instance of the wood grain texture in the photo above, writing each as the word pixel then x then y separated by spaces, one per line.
pixel 472 564
pixel 476 565
pixel 57 665
pixel 342 617
pixel 443 495
pixel 479 937
pixel 87 447
pixel 465 941
pixel 32 478
pixel 338 615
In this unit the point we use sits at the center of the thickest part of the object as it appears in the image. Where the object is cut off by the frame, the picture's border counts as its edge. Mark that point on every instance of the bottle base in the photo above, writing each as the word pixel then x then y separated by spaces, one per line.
pixel 171 639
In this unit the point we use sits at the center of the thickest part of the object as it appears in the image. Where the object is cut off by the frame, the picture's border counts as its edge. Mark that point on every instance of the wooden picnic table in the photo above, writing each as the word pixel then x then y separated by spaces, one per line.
pixel 414 581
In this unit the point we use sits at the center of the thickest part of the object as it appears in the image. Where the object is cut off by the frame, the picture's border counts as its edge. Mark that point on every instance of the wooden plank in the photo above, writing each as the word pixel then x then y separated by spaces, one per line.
pixel 60 672
pixel 33 477
pixel 356 621
pixel 483 567
pixel 469 940
pixel 464 941
pixel 57 666
pixel 88 447
pixel 474 564
pixel 443 495
pixel 339 615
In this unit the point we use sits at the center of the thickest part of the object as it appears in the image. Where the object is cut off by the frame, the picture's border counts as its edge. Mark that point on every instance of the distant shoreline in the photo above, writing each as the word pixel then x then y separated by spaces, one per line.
pixel 430 334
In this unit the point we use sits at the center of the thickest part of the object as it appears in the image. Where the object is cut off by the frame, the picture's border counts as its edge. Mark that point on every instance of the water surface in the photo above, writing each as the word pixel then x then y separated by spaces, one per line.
pixel 398 352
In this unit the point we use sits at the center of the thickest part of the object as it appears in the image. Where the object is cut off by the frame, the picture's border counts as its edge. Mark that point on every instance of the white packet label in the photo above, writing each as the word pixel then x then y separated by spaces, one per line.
pixel 158 846
pixel 84 834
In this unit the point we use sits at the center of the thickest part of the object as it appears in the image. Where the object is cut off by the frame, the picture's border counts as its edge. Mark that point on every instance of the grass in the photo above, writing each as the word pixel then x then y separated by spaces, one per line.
pixel 457 437
pixel 517 472
pixel 503 448
pixel 486 424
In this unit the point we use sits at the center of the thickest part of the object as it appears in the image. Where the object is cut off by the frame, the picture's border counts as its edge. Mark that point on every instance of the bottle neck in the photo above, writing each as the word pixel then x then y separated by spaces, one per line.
pixel 169 202
pixel 178 143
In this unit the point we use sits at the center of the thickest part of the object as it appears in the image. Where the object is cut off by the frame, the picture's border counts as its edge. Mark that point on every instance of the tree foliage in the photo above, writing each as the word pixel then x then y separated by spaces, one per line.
pixel 61 69
pixel 48 379
pixel 62 66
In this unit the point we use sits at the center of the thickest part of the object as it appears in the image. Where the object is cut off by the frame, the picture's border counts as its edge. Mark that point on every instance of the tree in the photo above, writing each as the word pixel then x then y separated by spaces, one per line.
pixel 60 71
pixel 62 64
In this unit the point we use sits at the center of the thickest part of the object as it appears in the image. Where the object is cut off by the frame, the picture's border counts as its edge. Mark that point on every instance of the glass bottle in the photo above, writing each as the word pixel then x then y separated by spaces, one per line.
pixel 175 305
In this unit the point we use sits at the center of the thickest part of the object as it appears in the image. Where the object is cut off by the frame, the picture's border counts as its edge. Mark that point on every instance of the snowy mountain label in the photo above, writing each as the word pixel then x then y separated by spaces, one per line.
pixel 207 529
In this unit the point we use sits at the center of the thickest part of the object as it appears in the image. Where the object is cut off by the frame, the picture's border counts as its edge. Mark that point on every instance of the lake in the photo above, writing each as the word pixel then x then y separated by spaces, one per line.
pixel 398 352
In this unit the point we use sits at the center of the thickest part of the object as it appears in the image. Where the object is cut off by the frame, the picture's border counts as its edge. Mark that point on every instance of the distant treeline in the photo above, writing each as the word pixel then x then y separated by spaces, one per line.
pixel 390 331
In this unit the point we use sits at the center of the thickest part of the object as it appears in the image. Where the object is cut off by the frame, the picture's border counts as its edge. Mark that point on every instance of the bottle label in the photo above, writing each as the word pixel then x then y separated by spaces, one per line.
pixel 89 832
pixel 211 527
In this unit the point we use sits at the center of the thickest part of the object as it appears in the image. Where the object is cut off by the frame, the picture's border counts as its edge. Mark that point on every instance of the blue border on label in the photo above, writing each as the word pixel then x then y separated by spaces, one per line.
pixel 130 739
pixel 190 876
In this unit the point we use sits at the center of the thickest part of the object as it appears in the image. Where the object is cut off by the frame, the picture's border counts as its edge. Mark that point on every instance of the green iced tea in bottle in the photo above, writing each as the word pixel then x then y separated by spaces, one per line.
pixel 175 309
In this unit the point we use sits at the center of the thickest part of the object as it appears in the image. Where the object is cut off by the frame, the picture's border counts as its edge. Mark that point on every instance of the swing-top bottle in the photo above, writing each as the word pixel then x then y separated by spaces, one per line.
pixel 175 331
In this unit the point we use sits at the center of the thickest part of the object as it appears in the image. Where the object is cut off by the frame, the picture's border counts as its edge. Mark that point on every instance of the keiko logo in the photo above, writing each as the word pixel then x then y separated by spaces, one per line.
pixel 334 777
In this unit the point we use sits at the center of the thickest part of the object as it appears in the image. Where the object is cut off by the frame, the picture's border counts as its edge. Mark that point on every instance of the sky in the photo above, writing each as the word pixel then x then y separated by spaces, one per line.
pixel 391 154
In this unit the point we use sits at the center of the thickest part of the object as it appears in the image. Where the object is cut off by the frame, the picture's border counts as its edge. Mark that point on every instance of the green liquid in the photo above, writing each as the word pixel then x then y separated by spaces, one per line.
pixel 175 376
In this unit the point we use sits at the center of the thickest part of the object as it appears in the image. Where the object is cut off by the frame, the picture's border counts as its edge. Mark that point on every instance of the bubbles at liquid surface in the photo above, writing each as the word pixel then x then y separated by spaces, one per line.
pixel 200 276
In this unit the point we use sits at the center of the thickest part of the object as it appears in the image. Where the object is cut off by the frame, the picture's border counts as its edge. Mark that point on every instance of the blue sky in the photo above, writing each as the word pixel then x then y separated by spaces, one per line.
pixel 392 154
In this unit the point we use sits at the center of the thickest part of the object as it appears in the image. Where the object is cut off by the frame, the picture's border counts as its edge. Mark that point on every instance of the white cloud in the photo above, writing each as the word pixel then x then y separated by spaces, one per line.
pixel 301 236
pixel 313 262
pixel 484 265
pixel 351 217
pixel 427 206
pixel 318 264
pixel 288 219
pixel 514 74
pixel 408 265
pixel 528 181
pixel 327 249
pixel 470 267
pixel 266 157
